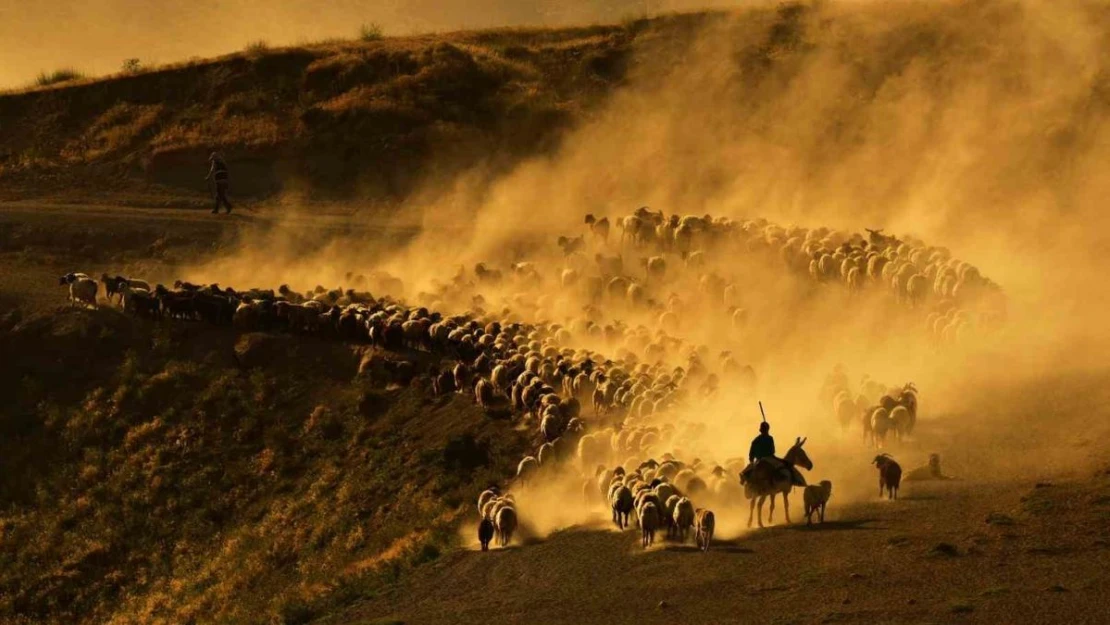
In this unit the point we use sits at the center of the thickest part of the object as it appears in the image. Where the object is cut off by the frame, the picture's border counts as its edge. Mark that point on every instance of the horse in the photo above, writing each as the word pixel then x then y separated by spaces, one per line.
pixel 767 481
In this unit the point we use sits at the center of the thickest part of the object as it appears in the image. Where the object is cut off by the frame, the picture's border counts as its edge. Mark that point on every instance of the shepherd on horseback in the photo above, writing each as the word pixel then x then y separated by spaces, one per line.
pixel 768 475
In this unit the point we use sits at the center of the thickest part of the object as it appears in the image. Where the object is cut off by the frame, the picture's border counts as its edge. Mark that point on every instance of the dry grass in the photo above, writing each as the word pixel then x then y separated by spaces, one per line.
pixel 58 76
pixel 165 484
pixel 311 105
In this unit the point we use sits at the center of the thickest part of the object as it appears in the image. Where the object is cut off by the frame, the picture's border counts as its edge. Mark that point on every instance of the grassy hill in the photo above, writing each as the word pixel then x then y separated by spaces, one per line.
pixel 162 474
pixel 340 119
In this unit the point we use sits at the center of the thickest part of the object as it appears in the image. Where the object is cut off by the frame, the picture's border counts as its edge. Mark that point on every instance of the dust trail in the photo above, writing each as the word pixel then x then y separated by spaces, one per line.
pixel 977 126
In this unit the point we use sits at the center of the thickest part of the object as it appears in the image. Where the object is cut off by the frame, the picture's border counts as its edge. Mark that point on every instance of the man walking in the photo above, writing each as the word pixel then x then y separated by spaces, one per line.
pixel 218 174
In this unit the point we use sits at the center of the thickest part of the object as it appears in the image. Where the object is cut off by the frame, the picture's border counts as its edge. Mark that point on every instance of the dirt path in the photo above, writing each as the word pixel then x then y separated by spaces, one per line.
pixel 1022 538
pixel 39 242
pixel 930 557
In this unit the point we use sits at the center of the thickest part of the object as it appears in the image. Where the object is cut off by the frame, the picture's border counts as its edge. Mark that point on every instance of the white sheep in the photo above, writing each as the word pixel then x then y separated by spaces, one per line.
pixel 527 467
pixel 82 289
pixel 816 498
pixel 486 496
pixel 704 524
pixel 683 517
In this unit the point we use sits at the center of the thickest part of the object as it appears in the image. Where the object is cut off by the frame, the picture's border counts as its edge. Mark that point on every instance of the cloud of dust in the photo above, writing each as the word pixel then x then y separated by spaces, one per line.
pixel 977 126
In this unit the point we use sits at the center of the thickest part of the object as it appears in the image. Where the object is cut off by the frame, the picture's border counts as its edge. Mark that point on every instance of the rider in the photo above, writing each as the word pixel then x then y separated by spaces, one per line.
pixel 763 447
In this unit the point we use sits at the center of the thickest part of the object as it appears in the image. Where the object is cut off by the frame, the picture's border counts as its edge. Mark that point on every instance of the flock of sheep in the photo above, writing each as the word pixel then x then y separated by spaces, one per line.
pixel 592 352
pixel 956 295
pixel 879 409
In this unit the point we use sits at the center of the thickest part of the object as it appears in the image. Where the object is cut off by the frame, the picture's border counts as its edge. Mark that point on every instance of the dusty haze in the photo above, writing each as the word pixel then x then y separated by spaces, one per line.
pixel 976 126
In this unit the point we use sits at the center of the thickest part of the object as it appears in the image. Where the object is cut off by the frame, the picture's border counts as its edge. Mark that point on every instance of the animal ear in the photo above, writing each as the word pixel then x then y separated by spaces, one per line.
pixel 798 441
pixel 803 441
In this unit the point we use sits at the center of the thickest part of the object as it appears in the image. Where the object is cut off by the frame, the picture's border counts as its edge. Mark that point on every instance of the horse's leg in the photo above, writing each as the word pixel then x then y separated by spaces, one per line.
pixel 759 513
pixel 771 514
pixel 751 512
pixel 786 507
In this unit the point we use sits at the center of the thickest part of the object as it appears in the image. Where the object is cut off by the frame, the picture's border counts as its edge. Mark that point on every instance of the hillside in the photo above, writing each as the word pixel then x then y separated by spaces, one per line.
pixel 334 120
pixel 166 474
pixel 292 464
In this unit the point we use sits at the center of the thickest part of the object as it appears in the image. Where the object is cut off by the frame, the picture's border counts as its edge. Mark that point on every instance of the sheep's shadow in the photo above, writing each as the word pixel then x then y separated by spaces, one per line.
pixel 727 546
pixel 842 525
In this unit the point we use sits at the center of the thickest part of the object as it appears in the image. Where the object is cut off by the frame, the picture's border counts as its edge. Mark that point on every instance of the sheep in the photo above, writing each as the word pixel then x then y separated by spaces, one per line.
pixel 816 498
pixel 880 425
pixel 82 289
pixel 900 422
pixel 135 283
pixel 609 266
pixel 483 393
pixel 684 517
pixel 142 303
pixel 649 522
pixel 704 523
pixel 599 227
pixel 527 467
pixel 485 533
pixel 443 383
pixel 620 499
pixel 545 454
pixel 506 522
pixel 931 471
pixel 462 377
pixel 890 475
pixel 570 246
pixel 552 426
pixel 655 268
pixel 486 496
pixel 112 286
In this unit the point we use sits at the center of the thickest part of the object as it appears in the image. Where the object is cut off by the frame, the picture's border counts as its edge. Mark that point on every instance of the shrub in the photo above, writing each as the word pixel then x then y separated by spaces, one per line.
pixel 257 47
pixel 132 66
pixel 370 32
pixel 57 76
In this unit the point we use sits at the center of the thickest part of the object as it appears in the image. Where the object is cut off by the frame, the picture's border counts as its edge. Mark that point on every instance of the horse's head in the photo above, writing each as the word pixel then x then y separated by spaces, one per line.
pixel 881 460
pixel 797 456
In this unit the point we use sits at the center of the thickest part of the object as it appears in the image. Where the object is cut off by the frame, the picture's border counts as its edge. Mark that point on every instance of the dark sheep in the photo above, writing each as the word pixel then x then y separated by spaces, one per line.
pixel 485 533
pixel 890 475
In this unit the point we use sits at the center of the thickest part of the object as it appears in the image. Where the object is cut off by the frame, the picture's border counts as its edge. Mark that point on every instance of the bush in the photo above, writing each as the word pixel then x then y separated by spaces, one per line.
pixel 65 74
pixel 257 47
pixel 132 66
pixel 370 32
